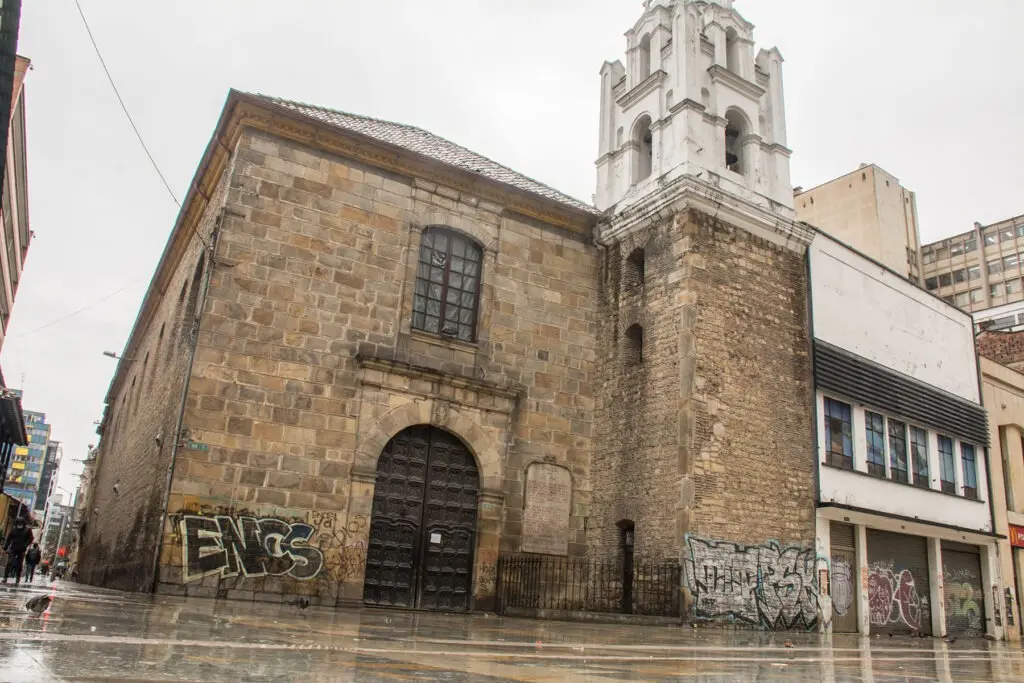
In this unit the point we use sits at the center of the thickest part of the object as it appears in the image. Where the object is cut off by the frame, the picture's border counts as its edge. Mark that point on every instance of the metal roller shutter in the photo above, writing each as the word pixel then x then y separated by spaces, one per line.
pixel 898 586
pixel 841 578
pixel 963 592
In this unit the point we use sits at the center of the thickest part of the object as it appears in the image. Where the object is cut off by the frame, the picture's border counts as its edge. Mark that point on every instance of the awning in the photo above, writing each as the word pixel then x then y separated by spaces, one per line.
pixel 12 420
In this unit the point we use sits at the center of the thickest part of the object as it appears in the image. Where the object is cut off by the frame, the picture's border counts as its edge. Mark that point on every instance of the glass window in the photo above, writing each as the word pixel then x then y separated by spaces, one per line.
pixel 1007 234
pixel 961 299
pixel 447 285
pixel 990 237
pixel 838 434
pixel 931 283
pixel 928 256
pixel 996 289
pixel 941 253
pixel 974 273
pixel 1020 230
pixel 1010 261
pixel 947 464
pixel 970 245
pixel 898 451
pixel 919 455
pixel 970 471
pixel 976 295
pixel 995 267
pixel 875 427
pixel 948 300
pixel 959 275
pixel 1013 286
pixel 956 248
pixel 945 280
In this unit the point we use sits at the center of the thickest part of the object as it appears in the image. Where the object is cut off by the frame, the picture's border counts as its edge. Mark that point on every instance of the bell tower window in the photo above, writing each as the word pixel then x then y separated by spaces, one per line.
pixel 735 131
pixel 644 58
pixel 732 51
pixel 643 149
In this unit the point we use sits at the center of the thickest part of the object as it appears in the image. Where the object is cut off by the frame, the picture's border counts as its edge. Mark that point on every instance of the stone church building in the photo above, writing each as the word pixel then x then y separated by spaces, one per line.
pixel 372 362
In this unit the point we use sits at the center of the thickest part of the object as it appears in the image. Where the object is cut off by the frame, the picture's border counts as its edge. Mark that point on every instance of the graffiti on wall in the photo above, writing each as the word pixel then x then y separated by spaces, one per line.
pixel 248 547
pixel 842 585
pixel 768 586
pixel 893 598
pixel 962 595
pixel 343 544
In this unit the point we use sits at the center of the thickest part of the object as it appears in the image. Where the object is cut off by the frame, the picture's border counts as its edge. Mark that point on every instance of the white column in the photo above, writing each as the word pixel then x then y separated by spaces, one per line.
pixel 861 581
pixel 935 588
pixel 990 584
pixel 776 97
pixel 823 546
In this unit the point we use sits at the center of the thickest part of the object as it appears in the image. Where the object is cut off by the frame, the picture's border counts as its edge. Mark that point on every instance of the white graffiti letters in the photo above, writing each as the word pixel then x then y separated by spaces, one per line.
pixel 842 585
pixel 767 586
pixel 247 546
pixel 893 598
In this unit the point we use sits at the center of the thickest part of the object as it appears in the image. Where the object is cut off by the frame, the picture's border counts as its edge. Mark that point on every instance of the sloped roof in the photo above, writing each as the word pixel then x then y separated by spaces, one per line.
pixel 427 144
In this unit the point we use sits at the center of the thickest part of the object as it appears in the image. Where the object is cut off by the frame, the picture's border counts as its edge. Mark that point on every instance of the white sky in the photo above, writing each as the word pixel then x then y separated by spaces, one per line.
pixel 924 88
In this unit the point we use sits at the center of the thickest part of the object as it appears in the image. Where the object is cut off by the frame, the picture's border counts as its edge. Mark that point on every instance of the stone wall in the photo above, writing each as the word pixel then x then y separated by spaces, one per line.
pixel 1005 348
pixel 121 530
pixel 306 366
pixel 710 434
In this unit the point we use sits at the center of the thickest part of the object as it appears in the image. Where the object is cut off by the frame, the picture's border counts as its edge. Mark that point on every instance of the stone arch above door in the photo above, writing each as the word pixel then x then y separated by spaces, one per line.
pixel 437 413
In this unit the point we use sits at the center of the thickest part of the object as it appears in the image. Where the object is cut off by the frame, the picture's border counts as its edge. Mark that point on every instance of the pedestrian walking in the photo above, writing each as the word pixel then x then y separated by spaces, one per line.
pixel 16 545
pixel 32 558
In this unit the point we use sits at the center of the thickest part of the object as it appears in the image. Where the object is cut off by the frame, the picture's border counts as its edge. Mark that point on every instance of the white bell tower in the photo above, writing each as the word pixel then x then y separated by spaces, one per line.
pixel 693 100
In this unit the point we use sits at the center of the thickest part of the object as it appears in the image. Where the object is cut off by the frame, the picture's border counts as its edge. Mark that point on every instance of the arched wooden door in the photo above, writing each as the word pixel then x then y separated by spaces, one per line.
pixel 423 524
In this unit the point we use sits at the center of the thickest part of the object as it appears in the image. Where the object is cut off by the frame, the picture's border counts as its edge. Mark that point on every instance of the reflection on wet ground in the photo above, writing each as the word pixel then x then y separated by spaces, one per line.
pixel 91 634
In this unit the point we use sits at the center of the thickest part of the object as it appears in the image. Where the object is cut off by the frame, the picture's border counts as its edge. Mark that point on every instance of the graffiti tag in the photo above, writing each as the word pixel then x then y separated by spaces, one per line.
pixel 893 598
pixel 962 591
pixel 842 585
pixel 768 586
pixel 247 546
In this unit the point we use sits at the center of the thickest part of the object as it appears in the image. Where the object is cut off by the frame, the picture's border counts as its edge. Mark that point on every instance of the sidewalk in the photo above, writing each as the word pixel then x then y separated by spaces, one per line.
pixel 93 634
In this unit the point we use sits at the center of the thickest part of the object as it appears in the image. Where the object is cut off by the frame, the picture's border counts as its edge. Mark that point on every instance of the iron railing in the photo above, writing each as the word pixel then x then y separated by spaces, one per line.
pixel 542 582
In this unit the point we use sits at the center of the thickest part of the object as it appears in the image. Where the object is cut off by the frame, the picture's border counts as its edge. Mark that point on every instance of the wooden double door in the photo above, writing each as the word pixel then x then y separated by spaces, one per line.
pixel 423 524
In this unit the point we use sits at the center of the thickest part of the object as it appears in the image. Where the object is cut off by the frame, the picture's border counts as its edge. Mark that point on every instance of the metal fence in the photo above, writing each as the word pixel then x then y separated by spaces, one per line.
pixel 584 585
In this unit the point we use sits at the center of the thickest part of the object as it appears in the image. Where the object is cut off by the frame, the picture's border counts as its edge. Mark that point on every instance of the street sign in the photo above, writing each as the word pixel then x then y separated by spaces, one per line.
pixel 1017 536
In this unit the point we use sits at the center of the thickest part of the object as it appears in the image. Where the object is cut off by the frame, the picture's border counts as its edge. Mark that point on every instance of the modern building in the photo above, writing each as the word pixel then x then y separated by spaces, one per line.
pixel 978 269
pixel 904 510
pixel 48 479
pixel 10 71
pixel 1003 393
pixel 57 530
pixel 14 221
pixel 26 467
pixel 872 212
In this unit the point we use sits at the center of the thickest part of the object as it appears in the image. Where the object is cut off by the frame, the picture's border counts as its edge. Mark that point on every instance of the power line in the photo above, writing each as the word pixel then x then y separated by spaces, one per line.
pixel 74 313
pixel 123 107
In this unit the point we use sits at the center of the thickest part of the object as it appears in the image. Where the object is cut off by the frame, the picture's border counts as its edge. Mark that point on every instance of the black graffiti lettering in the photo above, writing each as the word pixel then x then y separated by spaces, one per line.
pixel 248 546
pixel 243 546
pixel 203 553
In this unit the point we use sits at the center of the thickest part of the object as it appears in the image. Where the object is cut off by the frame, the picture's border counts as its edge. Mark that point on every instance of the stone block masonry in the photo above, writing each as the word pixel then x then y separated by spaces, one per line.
pixel 706 432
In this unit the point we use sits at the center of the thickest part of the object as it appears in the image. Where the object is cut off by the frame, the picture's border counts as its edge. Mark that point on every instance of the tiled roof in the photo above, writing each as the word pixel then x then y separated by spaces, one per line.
pixel 430 145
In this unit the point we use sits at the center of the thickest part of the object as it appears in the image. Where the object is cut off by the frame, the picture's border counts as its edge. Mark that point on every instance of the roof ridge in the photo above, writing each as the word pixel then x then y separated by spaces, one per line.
pixel 329 110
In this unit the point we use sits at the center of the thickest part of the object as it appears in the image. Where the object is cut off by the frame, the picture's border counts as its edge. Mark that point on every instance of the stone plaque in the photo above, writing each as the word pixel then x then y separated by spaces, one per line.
pixel 548 503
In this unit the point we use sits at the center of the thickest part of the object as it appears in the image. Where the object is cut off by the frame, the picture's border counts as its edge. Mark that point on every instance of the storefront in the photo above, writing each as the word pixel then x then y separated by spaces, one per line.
pixel 1017 546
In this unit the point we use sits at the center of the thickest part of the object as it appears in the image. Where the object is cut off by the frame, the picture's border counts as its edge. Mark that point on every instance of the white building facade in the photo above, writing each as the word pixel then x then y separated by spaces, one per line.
pixel 904 518
pixel 693 99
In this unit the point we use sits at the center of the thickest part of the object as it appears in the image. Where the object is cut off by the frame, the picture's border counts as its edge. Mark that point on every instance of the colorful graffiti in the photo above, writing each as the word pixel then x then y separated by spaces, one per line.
pixel 842 585
pixel 893 598
pixel 768 586
pixel 963 598
pixel 247 546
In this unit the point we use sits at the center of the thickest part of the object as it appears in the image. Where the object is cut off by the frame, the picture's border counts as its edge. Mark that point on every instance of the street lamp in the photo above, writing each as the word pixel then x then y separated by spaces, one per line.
pixel 111 354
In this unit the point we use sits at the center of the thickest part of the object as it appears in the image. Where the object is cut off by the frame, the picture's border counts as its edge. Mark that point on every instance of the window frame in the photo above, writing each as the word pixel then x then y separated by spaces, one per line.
pixel 947 465
pixel 876 452
pixel 844 459
pixel 918 441
pixel 451 235
pixel 970 492
pixel 897 473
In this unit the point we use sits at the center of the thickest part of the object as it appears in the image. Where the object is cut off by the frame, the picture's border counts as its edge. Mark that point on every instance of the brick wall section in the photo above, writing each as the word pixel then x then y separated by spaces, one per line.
pixel 319 260
pixel 120 537
pixel 1005 348
pixel 711 435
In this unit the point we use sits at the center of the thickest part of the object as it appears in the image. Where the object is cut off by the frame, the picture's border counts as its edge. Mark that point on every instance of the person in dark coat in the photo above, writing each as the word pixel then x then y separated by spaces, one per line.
pixel 32 558
pixel 17 543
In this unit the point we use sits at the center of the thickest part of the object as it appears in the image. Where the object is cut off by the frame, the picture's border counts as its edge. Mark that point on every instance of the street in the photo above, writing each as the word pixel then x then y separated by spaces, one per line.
pixel 94 634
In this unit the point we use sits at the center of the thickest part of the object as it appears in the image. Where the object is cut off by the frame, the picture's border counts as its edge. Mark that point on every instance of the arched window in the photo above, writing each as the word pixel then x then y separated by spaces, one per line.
pixel 735 130
pixel 634 343
pixel 644 57
pixel 732 51
pixel 447 284
pixel 633 271
pixel 193 292
pixel 644 152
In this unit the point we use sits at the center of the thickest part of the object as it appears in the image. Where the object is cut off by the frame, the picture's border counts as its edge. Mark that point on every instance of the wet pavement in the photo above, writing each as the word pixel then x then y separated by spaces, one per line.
pixel 90 634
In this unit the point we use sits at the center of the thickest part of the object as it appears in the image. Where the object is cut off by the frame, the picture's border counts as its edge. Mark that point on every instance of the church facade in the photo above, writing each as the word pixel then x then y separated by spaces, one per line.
pixel 372 362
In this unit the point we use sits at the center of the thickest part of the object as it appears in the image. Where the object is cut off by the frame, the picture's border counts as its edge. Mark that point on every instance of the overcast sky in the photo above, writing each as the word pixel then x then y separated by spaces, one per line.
pixel 925 88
